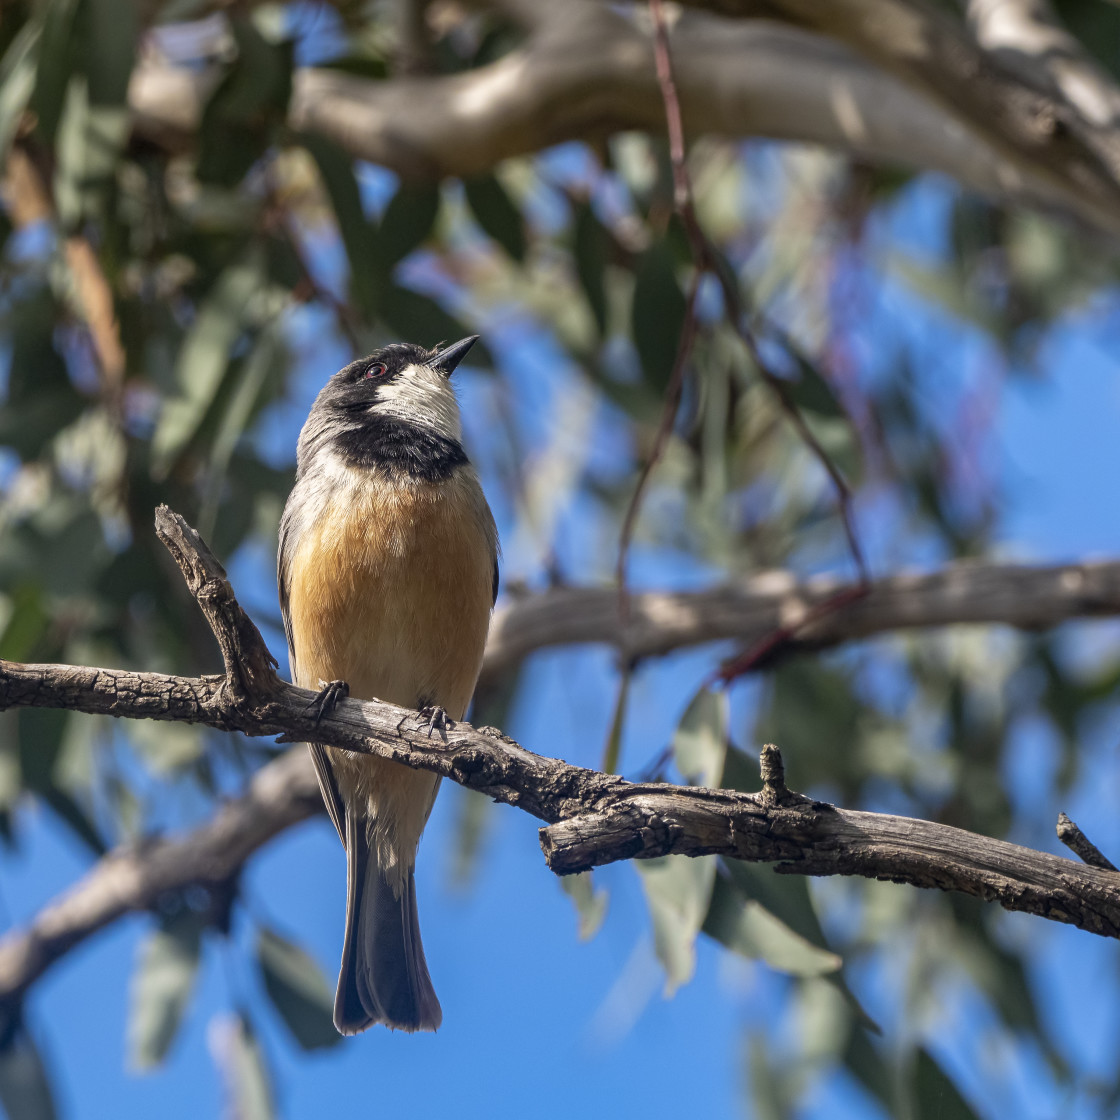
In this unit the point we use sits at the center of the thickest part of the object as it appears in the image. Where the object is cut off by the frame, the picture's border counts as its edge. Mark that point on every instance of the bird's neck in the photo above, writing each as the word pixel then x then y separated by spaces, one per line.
pixel 395 445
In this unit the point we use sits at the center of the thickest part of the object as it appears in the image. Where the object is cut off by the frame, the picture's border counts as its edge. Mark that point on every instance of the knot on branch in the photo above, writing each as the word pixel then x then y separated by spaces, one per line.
pixel 773 770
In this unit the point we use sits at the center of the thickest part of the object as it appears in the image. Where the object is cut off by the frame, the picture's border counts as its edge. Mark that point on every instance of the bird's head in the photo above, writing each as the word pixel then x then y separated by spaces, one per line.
pixel 401 382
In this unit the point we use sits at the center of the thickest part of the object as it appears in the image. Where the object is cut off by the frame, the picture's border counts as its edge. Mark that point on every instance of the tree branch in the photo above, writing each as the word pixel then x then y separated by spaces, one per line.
pixel 137 877
pixel 585 72
pixel 1018 110
pixel 1010 594
pixel 592 818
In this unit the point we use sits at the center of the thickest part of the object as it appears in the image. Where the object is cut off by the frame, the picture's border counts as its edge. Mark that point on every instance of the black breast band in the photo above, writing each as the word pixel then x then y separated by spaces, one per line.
pixel 385 441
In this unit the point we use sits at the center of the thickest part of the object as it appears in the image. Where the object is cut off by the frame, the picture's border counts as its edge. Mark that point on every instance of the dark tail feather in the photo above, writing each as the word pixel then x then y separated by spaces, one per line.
pixel 384 977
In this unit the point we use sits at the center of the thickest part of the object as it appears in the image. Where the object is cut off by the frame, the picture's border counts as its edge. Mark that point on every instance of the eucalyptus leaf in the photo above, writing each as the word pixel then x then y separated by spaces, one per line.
pixel 589 247
pixel 359 235
pixel 251 1083
pixel 205 356
pixel 111 29
pixel 17 81
pixel 242 115
pixel 237 1051
pixel 25 1090
pixel 749 929
pixel 406 223
pixel 161 987
pixel 657 314
pixel 678 892
pixel 497 213
pixel 935 1097
pixel 590 904
pixel 90 140
pixel 57 54
pixel 298 990
pixel 418 318
pixel 700 741
pixel 768 1089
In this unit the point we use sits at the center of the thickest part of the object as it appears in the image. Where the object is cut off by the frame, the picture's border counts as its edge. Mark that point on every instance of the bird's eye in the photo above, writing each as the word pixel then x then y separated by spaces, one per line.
pixel 376 370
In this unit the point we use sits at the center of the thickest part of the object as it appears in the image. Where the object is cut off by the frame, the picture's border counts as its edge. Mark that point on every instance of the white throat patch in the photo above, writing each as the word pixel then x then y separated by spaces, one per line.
pixel 423 396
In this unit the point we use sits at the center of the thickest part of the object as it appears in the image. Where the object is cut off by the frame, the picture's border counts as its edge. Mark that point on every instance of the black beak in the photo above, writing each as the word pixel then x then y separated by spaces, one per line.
pixel 449 357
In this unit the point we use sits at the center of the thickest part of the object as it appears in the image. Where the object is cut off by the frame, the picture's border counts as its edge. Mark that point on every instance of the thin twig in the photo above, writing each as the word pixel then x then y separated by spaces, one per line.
pixel 705 259
pixel 673 393
pixel 1081 845
pixel 757 655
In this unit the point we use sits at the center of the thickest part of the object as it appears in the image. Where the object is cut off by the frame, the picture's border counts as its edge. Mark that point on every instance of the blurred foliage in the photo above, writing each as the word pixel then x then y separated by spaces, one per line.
pixel 230 264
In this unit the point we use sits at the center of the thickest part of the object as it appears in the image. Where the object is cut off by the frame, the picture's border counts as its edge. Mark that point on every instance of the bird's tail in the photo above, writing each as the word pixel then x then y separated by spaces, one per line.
pixel 384 977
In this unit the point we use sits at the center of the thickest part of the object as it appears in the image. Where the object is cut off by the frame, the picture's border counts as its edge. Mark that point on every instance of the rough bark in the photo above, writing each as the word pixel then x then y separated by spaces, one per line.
pixel 592 818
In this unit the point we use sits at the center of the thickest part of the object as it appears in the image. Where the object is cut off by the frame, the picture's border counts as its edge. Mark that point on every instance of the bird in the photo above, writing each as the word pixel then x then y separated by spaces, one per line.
pixel 388 571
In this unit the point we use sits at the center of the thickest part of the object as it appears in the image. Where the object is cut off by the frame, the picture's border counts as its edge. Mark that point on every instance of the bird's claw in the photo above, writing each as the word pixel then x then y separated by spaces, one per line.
pixel 328 697
pixel 437 719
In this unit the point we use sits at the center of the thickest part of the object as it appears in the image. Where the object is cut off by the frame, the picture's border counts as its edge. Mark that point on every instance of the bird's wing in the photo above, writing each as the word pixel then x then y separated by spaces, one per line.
pixel 323 771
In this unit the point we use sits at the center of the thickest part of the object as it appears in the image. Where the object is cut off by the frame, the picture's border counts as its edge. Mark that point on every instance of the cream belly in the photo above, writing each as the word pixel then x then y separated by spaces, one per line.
pixel 390 590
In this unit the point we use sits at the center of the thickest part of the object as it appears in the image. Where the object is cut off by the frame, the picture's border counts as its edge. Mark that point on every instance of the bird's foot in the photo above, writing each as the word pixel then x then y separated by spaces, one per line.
pixel 437 720
pixel 329 694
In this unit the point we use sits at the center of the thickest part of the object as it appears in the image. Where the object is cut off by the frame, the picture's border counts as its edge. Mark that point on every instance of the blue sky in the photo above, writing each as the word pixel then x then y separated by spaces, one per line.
pixel 535 1022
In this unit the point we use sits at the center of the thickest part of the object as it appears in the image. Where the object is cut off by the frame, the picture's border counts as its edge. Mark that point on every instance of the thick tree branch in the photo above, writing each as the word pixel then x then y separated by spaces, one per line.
pixel 658 622
pixel 138 877
pixel 585 71
pixel 1023 114
pixel 592 818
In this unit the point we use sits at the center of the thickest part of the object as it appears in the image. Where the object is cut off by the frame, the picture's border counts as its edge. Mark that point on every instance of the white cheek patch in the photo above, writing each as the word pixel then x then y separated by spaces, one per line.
pixel 421 395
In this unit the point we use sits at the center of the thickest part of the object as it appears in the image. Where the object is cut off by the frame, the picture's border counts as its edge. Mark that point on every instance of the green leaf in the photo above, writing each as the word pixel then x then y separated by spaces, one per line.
pixel 406 224
pixel 825 415
pixel 40 741
pixel 657 314
pixel 678 891
pixel 90 139
pixel 41 399
pixel 769 1091
pixel 700 741
pixel 111 33
pixel 612 751
pixel 266 360
pixel 241 117
pixel 420 319
pixel 590 904
pixel 25 1092
pixel 785 896
pixel 749 929
pixel 26 622
pixel 812 392
pixel 298 990
pixel 590 243
pixel 740 771
pixel 167 748
pixel 359 236
pixel 238 1052
pixel 935 1096
pixel 204 358
pixel 161 987
pixel 17 81
pixel 867 1065
pixel 497 214
pixel 56 57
